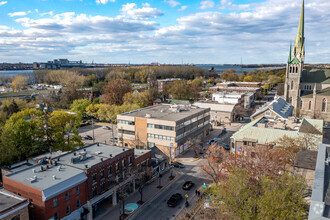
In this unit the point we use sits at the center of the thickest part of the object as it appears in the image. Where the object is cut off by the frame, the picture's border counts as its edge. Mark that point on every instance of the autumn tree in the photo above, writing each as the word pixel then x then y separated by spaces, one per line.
pixel 179 89
pixel 230 75
pixel 18 82
pixel 115 90
pixel 80 105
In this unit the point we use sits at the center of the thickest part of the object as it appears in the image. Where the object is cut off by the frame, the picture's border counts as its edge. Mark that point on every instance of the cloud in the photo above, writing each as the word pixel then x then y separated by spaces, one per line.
pixel 130 10
pixel 183 7
pixel 104 1
pixel 47 13
pixel 3 3
pixel 228 4
pixel 172 3
pixel 19 13
pixel 207 4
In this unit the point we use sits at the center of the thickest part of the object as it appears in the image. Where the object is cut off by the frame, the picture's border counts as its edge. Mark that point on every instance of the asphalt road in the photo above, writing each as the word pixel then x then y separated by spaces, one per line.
pixel 100 135
pixel 157 207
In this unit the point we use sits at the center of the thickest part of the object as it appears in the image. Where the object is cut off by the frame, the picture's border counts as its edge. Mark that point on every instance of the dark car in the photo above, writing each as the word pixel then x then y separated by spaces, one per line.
pixel 226 147
pixel 87 137
pixel 177 164
pixel 187 185
pixel 174 200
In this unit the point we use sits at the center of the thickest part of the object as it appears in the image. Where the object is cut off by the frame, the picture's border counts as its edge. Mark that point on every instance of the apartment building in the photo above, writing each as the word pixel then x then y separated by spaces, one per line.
pixel 13 207
pixel 170 128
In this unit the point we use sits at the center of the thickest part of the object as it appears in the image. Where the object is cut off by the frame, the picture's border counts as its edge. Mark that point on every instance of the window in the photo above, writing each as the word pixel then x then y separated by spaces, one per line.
pixel 151 125
pixel 123 162
pixel 109 171
pixel 94 178
pixel 56 216
pixel 290 69
pixel 310 105
pixel 126 132
pixel 324 105
pixel 102 174
pixel 130 160
pixel 78 203
pixel 77 190
pixel 31 202
pixel 268 113
pixel 245 143
pixel 55 202
pixel 95 192
pixel 125 122
pixel 102 188
pixel 67 210
pixel 117 167
pixel 291 85
pixel 67 196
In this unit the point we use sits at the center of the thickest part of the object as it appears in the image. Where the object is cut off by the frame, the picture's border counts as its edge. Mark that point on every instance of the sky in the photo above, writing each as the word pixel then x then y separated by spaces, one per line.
pixel 164 31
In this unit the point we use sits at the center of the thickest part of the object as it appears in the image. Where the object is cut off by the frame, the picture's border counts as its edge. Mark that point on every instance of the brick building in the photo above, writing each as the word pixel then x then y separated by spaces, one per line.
pixel 75 184
pixel 13 207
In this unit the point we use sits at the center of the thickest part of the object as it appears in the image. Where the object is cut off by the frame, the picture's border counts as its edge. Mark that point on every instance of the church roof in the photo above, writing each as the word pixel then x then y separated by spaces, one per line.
pixel 323 92
pixel 279 106
pixel 316 76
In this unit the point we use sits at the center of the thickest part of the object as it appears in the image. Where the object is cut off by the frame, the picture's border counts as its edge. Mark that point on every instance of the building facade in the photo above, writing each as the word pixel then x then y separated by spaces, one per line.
pixel 307 90
pixel 171 128
pixel 13 207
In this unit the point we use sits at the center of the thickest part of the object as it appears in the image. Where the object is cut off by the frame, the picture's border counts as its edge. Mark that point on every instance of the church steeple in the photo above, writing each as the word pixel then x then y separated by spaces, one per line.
pixel 289 58
pixel 299 45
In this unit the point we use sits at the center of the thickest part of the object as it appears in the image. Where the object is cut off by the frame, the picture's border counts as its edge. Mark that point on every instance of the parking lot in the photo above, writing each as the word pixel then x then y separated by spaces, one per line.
pixel 101 135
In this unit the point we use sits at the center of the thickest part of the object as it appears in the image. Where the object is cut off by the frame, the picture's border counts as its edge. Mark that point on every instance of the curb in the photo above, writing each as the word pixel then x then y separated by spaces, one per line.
pixel 190 161
pixel 137 211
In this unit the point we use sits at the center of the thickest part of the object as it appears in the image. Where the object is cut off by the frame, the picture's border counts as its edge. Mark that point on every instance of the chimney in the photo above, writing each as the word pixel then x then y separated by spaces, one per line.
pixel 86 166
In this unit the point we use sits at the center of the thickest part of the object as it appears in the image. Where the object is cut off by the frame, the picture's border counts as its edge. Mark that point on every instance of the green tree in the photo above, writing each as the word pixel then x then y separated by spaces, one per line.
pixel 179 89
pixel 80 105
pixel 22 136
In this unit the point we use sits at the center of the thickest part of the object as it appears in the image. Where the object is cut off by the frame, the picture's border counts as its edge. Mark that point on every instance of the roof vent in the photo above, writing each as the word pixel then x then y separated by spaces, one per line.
pixel 98 152
pixel 98 144
pixel 58 159
pixel 86 166
pixel 148 115
pixel 54 177
pixel 74 153
pixel 85 150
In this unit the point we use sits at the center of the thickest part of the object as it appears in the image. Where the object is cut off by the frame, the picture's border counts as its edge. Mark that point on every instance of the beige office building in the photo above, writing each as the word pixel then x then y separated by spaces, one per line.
pixel 170 128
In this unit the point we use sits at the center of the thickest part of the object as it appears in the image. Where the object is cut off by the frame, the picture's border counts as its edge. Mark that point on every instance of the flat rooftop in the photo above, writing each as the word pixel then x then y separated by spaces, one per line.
pixel 166 112
pixel 91 155
pixel 9 201
pixel 139 153
pixel 236 88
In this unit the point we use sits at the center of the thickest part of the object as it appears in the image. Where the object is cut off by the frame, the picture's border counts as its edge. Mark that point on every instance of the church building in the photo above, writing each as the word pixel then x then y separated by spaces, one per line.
pixel 308 90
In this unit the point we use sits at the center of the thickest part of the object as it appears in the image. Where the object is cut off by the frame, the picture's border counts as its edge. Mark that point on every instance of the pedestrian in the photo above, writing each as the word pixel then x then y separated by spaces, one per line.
pixel 199 193
pixel 196 192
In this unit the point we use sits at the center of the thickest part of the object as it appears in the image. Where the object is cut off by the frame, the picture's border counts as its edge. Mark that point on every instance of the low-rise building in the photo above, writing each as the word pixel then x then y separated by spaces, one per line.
pixel 304 165
pixel 277 108
pixel 171 128
pixel 266 132
pixel 246 100
pixel 13 207
pixel 75 184
pixel 320 202
pixel 219 112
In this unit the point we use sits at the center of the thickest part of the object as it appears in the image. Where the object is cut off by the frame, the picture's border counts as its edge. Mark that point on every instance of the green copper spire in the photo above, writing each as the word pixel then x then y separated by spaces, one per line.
pixel 289 59
pixel 299 42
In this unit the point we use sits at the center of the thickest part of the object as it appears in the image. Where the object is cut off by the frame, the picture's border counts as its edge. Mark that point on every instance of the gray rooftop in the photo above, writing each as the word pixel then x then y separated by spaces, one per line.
pixel 138 153
pixel 166 112
pixel 90 155
pixel 9 201
pixel 278 106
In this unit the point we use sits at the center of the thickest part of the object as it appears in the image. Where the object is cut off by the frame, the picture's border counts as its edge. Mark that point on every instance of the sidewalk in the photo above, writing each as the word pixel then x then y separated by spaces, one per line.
pixel 149 192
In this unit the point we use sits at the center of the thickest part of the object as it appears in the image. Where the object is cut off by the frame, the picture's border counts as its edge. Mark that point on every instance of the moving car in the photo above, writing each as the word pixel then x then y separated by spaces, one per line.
pixel 87 137
pixel 174 200
pixel 187 185
pixel 106 128
pixel 177 164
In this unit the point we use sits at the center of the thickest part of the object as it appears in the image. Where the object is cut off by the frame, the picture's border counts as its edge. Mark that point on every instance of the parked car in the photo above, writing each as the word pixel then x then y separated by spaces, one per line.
pixel 114 139
pixel 177 164
pixel 226 147
pixel 211 142
pixel 87 137
pixel 106 128
pixel 187 185
pixel 174 200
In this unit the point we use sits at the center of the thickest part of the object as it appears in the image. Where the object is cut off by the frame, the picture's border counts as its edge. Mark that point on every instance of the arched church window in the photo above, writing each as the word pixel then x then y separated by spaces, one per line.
pixel 291 85
pixel 310 105
pixel 324 105
pixel 290 100
pixel 290 69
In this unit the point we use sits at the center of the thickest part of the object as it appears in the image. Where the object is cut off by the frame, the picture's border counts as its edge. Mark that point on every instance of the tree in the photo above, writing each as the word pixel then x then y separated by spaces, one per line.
pixel 68 95
pixel 65 78
pixel 230 75
pixel 18 82
pixel 115 90
pixel 80 105
pixel 141 99
pixel 248 79
pixel 179 89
